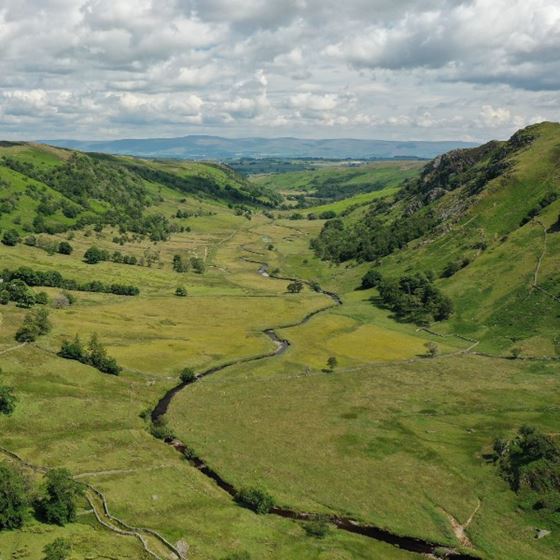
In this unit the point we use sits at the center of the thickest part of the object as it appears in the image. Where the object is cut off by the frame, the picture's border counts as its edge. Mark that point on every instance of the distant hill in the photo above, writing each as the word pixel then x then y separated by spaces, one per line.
pixel 218 148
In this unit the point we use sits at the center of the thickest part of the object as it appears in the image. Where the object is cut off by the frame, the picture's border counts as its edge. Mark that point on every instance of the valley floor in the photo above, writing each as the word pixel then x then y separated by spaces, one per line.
pixel 389 438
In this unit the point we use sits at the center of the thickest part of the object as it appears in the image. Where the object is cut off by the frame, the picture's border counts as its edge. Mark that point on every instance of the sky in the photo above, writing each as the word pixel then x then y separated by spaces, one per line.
pixel 379 69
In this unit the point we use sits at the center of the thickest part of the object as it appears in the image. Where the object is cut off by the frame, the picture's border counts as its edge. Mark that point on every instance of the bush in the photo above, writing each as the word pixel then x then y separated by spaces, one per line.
pixel 295 287
pixel 95 356
pixel 94 255
pixel 198 265
pixel 371 279
pixel 7 400
pixel 10 238
pixel 35 324
pixel 57 505
pixel 161 430
pixel 181 291
pixel 255 499
pixel 187 375
pixel 64 248
pixel 327 215
pixel 13 498
pixel 59 549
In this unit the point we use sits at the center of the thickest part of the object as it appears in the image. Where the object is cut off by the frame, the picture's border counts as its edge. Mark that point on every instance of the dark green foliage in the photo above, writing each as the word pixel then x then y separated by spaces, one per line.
pixel 10 237
pixel 547 200
pixel 17 291
pixel 255 499
pixel 369 238
pixel 36 323
pixel 181 291
pixel 73 350
pixel 59 549
pixel 454 267
pixel 95 355
pixel 57 504
pixel 180 265
pixel 198 265
pixel 93 255
pixel 415 299
pixel 371 279
pixel 161 430
pixel 327 215
pixel 295 287
pixel 54 279
pixel 187 375
pixel 332 362
pixel 318 528
pixel 13 498
pixel 64 248
pixel 8 400
pixel 530 463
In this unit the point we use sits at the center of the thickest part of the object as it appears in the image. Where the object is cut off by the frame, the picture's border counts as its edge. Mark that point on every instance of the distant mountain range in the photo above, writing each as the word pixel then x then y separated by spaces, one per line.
pixel 218 148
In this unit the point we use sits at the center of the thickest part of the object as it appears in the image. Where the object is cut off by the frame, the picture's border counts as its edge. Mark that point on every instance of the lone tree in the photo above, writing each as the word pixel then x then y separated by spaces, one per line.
pixel 10 237
pixel 432 349
pixel 58 503
pixel 7 400
pixel 59 549
pixel 13 498
pixel 181 291
pixel 64 248
pixel 332 362
pixel 295 287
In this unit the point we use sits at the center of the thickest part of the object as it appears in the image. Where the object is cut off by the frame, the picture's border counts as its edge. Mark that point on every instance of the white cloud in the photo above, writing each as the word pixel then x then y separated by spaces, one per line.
pixel 372 68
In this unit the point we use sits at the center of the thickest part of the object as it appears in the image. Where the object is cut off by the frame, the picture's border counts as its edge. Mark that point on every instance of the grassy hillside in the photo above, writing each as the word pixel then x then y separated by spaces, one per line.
pixel 384 435
pixel 51 190
pixel 484 223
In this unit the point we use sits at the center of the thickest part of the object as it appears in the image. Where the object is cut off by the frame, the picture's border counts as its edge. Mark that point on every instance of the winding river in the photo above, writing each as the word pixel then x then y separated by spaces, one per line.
pixel 411 544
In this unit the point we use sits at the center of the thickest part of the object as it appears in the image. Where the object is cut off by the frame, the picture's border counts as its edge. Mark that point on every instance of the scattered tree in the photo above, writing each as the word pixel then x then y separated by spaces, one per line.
pixel 13 498
pixel 64 248
pixel 181 291
pixel 10 238
pixel 198 265
pixel 57 504
pixel 332 362
pixel 94 255
pixel 371 279
pixel 36 323
pixel 295 287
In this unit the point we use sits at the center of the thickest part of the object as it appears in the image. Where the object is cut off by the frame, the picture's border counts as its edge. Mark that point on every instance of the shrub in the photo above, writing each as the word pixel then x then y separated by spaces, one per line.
pixel 64 248
pixel 72 350
pixel 327 215
pixel 198 265
pixel 94 255
pixel 295 287
pixel 10 238
pixel 13 498
pixel 371 279
pixel 161 430
pixel 432 349
pixel 35 324
pixel 59 549
pixel 332 362
pixel 7 400
pixel 181 291
pixel 187 375
pixel 255 499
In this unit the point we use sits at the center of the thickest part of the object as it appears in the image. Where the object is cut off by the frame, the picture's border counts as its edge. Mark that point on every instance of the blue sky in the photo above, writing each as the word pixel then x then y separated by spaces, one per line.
pixel 400 69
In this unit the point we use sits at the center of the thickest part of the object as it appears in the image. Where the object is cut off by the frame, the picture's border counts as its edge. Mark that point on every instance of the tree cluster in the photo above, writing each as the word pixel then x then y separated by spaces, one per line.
pixel 414 298
pixel 94 355
pixel 54 279
pixel 530 463
pixel 35 323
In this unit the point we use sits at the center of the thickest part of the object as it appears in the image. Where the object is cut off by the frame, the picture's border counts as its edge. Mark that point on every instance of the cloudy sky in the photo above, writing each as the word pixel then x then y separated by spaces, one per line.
pixel 403 69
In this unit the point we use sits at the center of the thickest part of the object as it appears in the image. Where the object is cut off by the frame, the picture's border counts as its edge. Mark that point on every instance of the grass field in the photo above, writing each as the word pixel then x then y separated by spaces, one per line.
pixel 390 438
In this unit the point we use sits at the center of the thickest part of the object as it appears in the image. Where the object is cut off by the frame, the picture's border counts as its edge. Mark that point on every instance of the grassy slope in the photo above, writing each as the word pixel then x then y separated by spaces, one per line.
pixel 382 439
